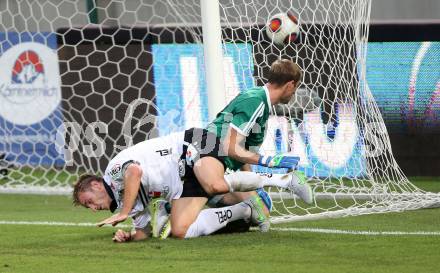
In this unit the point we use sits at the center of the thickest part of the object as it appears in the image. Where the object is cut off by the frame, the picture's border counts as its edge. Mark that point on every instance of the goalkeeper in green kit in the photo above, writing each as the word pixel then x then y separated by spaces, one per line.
pixel 241 127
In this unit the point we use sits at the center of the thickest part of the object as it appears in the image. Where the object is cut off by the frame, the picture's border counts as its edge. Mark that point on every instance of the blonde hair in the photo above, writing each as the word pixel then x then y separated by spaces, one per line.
pixel 283 71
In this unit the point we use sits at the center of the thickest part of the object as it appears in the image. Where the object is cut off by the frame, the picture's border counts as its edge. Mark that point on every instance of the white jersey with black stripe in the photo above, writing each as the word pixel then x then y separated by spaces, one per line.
pixel 159 159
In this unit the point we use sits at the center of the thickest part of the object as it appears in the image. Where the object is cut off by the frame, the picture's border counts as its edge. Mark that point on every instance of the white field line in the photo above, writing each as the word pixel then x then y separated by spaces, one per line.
pixel 360 232
pixel 46 223
pixel 312 230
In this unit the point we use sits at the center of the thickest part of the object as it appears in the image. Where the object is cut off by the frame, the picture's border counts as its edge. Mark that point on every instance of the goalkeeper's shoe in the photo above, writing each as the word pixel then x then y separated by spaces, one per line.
pixel 160 219
pixel 299 186
pixel 257 213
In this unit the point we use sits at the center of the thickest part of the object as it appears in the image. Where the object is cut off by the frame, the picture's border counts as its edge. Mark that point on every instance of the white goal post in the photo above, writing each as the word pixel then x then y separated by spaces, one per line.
pixel 81 80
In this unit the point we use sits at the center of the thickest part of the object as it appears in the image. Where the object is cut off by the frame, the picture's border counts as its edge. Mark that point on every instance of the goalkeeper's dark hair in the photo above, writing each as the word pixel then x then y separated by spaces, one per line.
pixel 283 71
pixel 83 184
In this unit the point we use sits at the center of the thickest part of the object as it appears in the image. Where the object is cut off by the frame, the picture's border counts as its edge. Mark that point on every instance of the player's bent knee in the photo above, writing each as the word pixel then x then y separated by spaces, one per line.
pixel 219 187
pixel 216 187
pixel 179 232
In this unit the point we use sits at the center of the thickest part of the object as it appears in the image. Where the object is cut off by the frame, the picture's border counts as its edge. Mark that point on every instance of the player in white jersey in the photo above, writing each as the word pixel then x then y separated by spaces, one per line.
pixel 184 168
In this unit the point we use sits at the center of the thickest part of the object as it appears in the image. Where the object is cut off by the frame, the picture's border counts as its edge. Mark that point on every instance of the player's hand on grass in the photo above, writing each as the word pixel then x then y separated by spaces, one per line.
pixel 121 236
pixel 114 220
pixel 278 161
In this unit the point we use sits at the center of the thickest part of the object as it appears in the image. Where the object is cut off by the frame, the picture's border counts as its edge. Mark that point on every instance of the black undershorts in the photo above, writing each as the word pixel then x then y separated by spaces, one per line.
pixel 199 143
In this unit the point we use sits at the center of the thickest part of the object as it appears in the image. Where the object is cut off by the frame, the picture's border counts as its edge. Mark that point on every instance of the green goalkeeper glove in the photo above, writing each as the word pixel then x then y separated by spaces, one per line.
pixel 279 161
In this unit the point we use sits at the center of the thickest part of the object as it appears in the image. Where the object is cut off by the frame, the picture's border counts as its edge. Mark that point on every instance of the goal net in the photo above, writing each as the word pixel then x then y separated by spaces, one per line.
pixel 81 80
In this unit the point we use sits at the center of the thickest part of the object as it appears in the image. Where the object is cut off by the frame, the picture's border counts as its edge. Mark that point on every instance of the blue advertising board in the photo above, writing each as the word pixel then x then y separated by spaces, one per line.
pixel 30 98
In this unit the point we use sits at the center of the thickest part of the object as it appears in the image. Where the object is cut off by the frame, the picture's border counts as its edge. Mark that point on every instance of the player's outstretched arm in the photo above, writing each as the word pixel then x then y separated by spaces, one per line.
pixel 132 180
pixel 235 149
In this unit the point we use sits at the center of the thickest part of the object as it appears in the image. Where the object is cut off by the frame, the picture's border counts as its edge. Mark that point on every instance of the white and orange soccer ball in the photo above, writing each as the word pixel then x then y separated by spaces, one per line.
pixel 282 28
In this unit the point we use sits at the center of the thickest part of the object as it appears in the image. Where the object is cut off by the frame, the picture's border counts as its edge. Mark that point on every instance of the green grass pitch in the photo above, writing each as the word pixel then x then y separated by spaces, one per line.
pixel 45 248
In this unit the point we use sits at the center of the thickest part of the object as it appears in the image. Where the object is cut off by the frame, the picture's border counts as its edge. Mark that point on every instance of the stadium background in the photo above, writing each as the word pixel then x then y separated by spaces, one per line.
pixel 412 123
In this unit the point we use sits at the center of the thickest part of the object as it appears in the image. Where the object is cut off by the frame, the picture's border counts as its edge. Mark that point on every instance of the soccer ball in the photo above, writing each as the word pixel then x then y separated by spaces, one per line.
pixel 282 28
